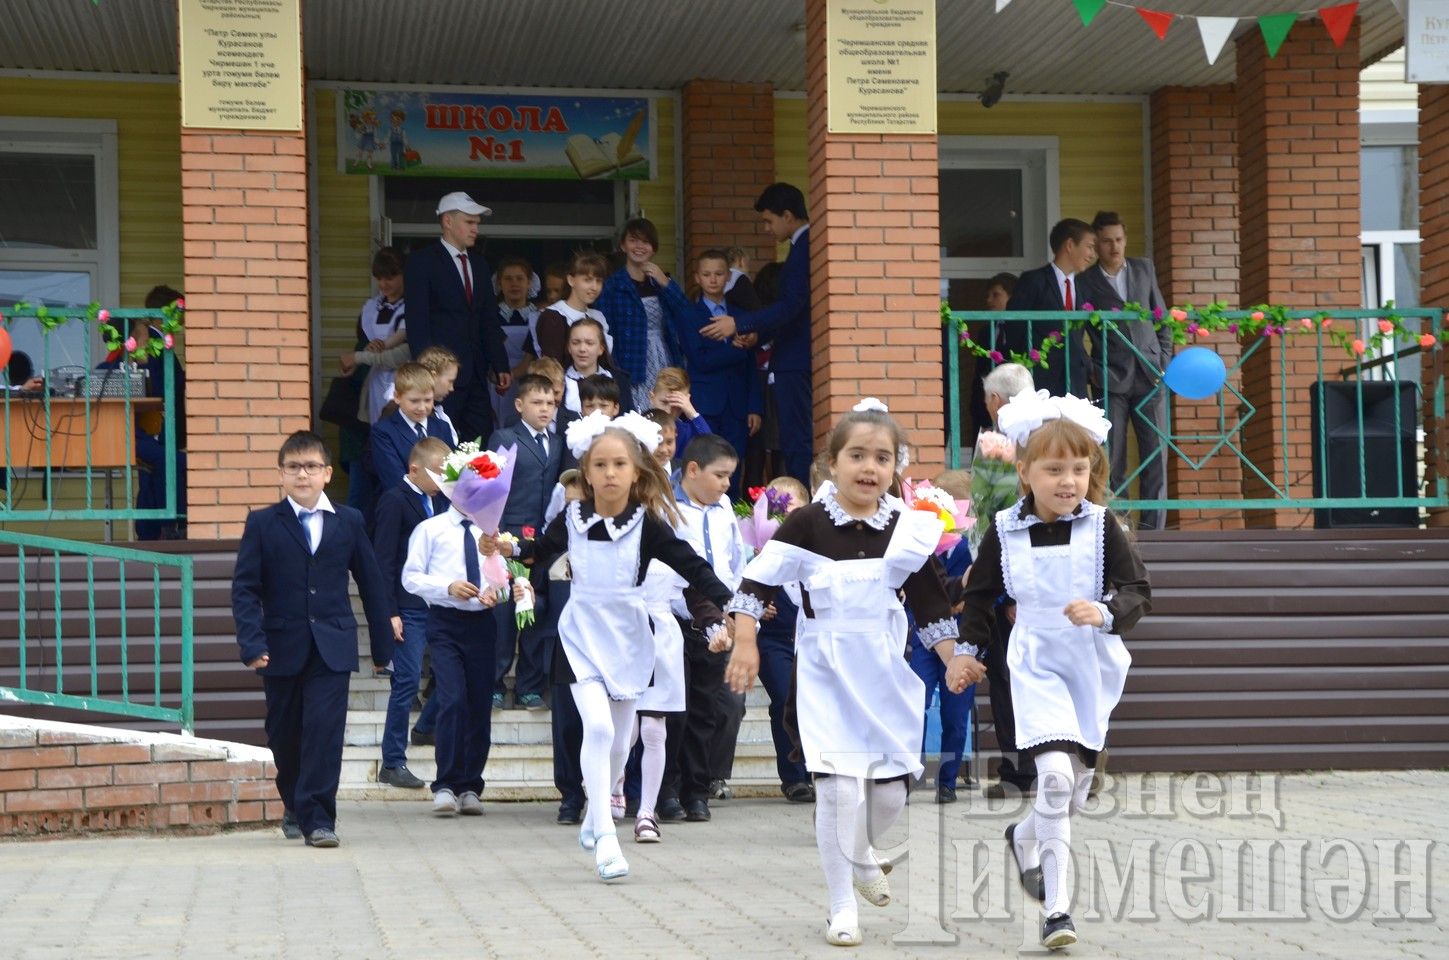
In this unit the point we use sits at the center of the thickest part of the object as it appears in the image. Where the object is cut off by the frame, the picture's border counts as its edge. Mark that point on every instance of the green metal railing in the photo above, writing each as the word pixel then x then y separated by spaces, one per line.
pixel 53 653
pixel 1233 410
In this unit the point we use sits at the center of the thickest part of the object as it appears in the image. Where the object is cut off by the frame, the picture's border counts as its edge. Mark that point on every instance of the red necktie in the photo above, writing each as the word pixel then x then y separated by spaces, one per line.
pixel 1067 304
pixel 468 279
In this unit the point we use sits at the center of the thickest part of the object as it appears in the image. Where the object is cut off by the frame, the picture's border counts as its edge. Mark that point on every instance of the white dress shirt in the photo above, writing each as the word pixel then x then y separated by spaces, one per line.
pixel 1062 279
pixel 712 531
pixel 465 273
pixel 1117 280
pixel 435 560
pixel 313 523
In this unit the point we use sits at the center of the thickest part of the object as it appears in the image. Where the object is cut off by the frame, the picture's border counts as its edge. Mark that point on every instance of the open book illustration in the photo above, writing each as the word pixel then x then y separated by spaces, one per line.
pixel 612 151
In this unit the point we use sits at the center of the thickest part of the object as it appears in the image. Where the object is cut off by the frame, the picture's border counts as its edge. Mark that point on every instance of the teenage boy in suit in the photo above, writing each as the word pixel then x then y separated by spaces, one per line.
pixel 537 462
pixel 392 437
pixel 1054 287
pixel 398 513
pixel 295 627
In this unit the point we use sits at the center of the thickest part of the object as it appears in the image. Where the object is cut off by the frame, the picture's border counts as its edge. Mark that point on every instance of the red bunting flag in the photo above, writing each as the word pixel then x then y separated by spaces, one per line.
pixel 1157 20
pixel 1339 21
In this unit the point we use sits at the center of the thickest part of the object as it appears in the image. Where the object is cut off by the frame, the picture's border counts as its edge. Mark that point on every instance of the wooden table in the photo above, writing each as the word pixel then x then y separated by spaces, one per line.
pixel 111 429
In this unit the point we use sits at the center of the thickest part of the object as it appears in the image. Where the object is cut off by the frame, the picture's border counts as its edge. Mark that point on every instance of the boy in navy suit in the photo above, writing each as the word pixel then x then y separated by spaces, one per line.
pixel 537 463
pixel 393 436
pixel 295 627
pixel 399 511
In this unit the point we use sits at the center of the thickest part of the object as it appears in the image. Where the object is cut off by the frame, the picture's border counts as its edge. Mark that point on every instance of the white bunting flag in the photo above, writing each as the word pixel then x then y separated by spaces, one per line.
pixel 1001 5
pixel 1215 32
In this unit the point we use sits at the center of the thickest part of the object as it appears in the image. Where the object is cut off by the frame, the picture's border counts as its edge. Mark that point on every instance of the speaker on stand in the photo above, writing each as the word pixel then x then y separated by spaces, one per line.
pixel 1337 444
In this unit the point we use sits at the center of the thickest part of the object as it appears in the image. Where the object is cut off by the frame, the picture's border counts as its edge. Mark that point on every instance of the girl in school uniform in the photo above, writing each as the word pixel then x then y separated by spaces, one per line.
pixel 589 356
pixel 860 707
pixel 623 524
pixel 1078 584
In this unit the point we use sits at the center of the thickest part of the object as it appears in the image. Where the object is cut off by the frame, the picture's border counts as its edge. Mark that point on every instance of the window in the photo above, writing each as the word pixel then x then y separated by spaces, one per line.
pixel 59 228
pixel 1389 200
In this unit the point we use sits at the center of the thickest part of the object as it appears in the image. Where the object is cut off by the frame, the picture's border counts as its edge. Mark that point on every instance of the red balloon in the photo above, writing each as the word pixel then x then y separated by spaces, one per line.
pixel 5 346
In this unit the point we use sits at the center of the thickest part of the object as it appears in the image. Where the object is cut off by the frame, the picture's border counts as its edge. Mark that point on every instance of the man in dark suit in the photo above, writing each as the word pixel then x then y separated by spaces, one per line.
pixel 538 460
pixel 1135 356
pixel 450 302
pixel 1053 287
pixel 295 627
pixel 785 324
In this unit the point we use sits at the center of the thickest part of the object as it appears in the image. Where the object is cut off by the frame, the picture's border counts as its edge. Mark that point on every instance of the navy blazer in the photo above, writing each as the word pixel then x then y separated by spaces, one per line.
pixel 722 377
pixel 438 312
pixel 398 512
pixel 1037 290
pixel 786 322
pixel 285 598
pixel 391 441
pixel 533 476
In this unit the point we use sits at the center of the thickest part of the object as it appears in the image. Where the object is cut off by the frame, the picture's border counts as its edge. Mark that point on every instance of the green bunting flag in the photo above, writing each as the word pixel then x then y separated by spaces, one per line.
pixel 1275 27
pixel 1088 10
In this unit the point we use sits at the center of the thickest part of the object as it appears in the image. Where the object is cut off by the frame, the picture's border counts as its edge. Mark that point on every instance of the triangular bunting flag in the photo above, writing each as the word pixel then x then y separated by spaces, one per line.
pixel 1215 32
pixel 1088 10
pixel 1339 20
pixel 1001 5
pixel 1158 21
pixel 1399 6
pixel 1275 27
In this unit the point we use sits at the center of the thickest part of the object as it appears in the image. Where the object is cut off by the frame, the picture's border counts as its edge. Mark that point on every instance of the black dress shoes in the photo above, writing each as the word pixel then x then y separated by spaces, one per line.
pixel 290 828
pixel 670 810
pixel 322 837
pixel 697 811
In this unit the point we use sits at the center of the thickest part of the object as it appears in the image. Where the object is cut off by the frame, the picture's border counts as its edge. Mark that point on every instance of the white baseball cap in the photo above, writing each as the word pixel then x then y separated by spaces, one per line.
pixel 460 201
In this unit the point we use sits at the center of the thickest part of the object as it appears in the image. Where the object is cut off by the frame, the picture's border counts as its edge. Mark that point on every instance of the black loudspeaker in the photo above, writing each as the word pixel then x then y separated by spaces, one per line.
pixel 1384 443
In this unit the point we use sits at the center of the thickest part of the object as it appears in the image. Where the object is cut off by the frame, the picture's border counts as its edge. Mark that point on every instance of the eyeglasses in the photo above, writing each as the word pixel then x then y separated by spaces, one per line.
pixel 310 469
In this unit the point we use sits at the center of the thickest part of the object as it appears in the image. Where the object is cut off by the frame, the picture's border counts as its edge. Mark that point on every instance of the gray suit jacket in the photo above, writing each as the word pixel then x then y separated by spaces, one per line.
pixel 1127 373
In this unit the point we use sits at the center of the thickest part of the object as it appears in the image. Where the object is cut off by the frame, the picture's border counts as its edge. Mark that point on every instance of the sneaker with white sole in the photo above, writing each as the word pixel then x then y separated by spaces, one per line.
pixel 445 803
pixel 470 804
pixel 1058 931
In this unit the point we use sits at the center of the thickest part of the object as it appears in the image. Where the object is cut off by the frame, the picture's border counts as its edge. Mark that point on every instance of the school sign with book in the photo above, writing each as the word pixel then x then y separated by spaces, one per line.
pixel 422 133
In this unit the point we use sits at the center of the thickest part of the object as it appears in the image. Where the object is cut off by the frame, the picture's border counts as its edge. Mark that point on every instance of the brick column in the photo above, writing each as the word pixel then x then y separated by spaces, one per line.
pixel 248 352
pixel 1195 249
pixel 729 157
pixel 1298 165
pixel 1434 267
pixel 875 269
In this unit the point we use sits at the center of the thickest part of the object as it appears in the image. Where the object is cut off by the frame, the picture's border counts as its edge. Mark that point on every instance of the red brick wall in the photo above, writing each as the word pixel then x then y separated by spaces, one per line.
pixel 1195 249
pixel 876 270
pixel 248 341
pixel 1298 165
pixel 1434 266
pixel 729 157
pixel 58 778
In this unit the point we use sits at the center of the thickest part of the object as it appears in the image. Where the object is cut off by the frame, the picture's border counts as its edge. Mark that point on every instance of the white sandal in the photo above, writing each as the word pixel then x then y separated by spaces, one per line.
pixel 609 858
pixel 843 931
pixel 877 891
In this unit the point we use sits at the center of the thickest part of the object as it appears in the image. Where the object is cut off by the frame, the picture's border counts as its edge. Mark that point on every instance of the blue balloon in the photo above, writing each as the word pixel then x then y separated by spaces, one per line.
pixel 1195 374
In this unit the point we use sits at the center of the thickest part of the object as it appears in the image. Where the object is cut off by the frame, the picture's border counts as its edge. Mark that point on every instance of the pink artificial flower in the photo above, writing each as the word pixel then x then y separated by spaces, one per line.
pixel 1428 341
pixel 180 303
pixel 1327 322
pixel 1232 328
pixel 103 316
pixel 1257 316
pixel 1088 306
pixel 1386 326
pixel 169 340
pixel 996 356
pixel 1193 328
pixel 130 344
pixel 965 337
pixel 1035 355
pixel 1306 323
pixel 1178 315
pixel 1157 313
pixel 1056 336
pixel 1358 347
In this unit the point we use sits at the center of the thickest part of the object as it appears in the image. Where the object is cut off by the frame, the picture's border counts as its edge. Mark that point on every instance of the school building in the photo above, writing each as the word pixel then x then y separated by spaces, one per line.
pixel 1305 177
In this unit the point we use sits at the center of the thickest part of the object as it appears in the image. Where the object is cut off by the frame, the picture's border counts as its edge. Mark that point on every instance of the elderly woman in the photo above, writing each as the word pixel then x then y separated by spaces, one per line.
pixel 639 301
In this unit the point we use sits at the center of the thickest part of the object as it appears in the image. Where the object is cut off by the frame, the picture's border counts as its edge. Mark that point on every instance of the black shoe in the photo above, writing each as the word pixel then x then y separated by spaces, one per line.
pixel 798 792
pixel 421 739
pixel 291 829
pixel 399 777
pixel 1032 880
pixel 1057 931
pixel 570 814
pixel 670 811
pixel 697 811
pixel 322 837
pixel 945 794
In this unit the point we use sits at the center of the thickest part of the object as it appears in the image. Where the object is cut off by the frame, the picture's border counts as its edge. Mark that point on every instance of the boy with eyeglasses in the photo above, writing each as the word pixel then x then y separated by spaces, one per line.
pixel 295 627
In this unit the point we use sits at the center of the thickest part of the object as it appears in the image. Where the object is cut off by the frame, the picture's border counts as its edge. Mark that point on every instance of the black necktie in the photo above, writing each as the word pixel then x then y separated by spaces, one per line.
pixel 470 555
pixel 542 444
pixel 422 434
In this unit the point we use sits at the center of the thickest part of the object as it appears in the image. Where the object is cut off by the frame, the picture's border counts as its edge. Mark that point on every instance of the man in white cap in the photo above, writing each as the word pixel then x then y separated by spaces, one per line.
pixel 451 304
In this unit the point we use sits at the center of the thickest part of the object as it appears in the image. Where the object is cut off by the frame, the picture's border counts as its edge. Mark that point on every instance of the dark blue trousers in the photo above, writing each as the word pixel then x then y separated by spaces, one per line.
pixel 306 716
pixel 529 645
pixel 407 669
pixel 461 645
pixel 777 665
pixel 796 419
pixel 955 710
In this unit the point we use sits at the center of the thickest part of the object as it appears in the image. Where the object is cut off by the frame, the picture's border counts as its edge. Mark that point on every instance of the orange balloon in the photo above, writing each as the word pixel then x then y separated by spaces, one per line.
pixel 5 346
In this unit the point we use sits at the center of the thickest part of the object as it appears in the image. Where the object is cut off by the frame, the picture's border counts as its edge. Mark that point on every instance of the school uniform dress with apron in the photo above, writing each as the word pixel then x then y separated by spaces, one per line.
pixel 859 704
pixel 661 587
pixel 605 627
pixel 379 321
pixel 1065 679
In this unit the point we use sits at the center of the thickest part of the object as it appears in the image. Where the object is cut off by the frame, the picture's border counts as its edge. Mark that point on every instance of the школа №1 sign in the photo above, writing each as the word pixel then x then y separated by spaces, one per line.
pixel 507 135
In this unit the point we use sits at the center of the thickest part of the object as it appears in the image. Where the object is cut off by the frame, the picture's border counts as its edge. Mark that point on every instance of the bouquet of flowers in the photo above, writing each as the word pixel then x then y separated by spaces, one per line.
pixel 954 514
pixel 758 522
pixel 994 482
pixel 476 482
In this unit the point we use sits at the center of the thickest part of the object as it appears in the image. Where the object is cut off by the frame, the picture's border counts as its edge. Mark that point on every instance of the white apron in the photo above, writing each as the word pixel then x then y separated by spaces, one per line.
pixel 1065 679
pixel 377 388
pixel 604 627
pixel 666 695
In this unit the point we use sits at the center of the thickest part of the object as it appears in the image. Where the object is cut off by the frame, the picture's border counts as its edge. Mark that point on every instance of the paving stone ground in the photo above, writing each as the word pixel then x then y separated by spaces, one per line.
pixel 1222 870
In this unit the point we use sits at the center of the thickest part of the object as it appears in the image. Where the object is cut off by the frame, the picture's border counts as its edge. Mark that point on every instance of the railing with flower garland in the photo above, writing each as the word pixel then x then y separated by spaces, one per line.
pixel 78 631
pixel 1372 343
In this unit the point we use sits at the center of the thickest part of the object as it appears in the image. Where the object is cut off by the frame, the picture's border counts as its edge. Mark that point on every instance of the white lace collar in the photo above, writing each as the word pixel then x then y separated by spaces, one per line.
pixel 582 516
pixel 1021 516
pixel 840 518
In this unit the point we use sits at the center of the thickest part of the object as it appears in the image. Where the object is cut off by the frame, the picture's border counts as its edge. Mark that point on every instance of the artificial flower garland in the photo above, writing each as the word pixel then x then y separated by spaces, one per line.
pixel 171 316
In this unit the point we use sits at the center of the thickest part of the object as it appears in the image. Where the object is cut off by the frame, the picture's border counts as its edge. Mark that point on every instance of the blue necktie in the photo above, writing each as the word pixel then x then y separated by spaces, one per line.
pixel 304 517
pixel 708 546
pixel 422 434
pixel 542 444
pixel 427 504
pixel 470 555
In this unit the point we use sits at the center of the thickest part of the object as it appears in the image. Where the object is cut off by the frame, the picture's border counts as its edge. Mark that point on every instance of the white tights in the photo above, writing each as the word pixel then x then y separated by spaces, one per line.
pixel 1044 838
pixel 651 764
pixel 847 819
pixel 608 726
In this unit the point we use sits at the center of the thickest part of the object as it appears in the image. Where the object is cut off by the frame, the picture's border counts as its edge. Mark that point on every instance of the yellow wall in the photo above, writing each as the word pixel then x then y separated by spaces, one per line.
pixel 657 196
pixel 344 242
pixel 1101 165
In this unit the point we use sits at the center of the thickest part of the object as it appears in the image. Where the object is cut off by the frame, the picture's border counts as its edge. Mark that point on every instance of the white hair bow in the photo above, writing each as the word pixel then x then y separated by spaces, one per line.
pixel 582 433
pixel 870 403
pixel 1027 411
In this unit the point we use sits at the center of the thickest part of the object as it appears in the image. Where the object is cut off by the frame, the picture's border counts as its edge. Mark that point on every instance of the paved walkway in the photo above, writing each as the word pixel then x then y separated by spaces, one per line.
pixel 514 884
